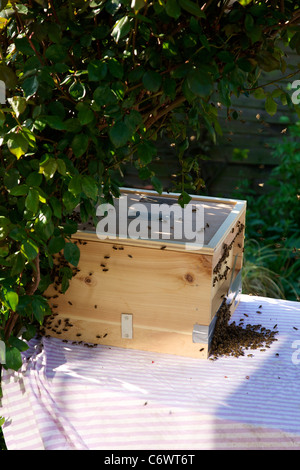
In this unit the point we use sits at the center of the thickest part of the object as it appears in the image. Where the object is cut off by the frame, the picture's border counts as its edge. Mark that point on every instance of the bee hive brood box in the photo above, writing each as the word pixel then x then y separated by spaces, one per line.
pixel 158 293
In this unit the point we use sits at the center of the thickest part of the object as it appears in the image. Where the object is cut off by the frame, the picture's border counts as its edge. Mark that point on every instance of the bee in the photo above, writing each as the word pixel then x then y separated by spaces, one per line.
pixel 78 334
pixel 163 247
pixel 115 248
pixel 295 328
pixel 207 224
pixel 90 274
pixel 202 349
pixel 105 269
pixel 106 257
pixel 69 302
pixel 129 256
pixel 98 336
pixel 105 335
pixel 102 265
pixel 95 306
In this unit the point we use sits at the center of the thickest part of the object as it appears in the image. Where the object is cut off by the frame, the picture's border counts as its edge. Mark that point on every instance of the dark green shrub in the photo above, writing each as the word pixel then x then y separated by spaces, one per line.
pixel 272 263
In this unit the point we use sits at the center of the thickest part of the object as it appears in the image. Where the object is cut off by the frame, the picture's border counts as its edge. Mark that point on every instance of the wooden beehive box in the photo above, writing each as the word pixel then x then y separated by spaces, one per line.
pixel 153 294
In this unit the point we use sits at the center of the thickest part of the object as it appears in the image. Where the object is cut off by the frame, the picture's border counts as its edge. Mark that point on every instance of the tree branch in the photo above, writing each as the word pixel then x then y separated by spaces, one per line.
pixel 153 118
pixel 37 277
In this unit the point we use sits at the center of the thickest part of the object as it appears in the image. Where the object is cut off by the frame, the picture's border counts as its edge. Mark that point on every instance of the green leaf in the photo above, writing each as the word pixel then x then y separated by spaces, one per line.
pixel 200 83
pixel 18 104
pixel 5 226
pixel 104 96
pixel 146 151
pixel 40 308
pixel 80 144
pixel 249 22
pixel 97 70
pixel 56 53
pixel 56 244
pixel 267 61
pixel 121 28
pixel 152 80
pixel 85 114
pixel 30 86
pixel 32 200
pixel 72 253
pixel 192 8
pixel 270 105
pixel 74 185
pixel 49 168
pixel 29 249
pixel 119 134
pixel 29 333
pixel 69 201
pixel 4 251
pixel 19 190
pixel 77 90
pixel 137 4
pixel 224 94
pixel 145 173
pixel 184 198
pixel 133 120
pixel 173 9
pixel 11 298
pixel 18 264
pixel 259 94
pixel 17 144
pixel 55 122
pixel 18 343
pixel 89 187
pixel 34 179
pixel 8 76
pixel 56 206
pixel 157 184
pixel 115 68
pixel 61 167
pixel 13 358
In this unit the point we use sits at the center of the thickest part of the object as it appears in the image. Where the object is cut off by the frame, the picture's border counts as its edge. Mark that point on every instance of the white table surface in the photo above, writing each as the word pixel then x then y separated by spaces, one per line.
pixel 69 397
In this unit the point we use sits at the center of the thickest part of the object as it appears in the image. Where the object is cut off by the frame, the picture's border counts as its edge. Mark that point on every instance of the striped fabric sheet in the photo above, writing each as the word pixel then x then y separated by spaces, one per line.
pixel 69 397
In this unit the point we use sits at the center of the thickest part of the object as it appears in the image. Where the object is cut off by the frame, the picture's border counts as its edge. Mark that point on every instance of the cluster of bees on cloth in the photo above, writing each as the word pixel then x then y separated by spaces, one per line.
pixel 232 339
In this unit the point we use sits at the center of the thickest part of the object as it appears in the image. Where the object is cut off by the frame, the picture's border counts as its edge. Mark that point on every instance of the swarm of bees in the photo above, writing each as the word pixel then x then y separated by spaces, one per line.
pixel 231 339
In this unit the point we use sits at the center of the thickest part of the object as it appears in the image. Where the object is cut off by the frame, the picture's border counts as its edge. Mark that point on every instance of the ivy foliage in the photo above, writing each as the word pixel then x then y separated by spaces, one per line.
pixel 90 85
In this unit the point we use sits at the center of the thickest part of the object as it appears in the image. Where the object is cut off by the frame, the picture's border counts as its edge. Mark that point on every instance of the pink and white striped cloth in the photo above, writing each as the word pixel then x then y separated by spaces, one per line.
pixel 69 397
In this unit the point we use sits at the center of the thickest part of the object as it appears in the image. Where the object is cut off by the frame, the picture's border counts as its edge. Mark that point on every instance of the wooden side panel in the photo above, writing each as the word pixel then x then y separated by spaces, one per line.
pixel 167 292
pixel 227 262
